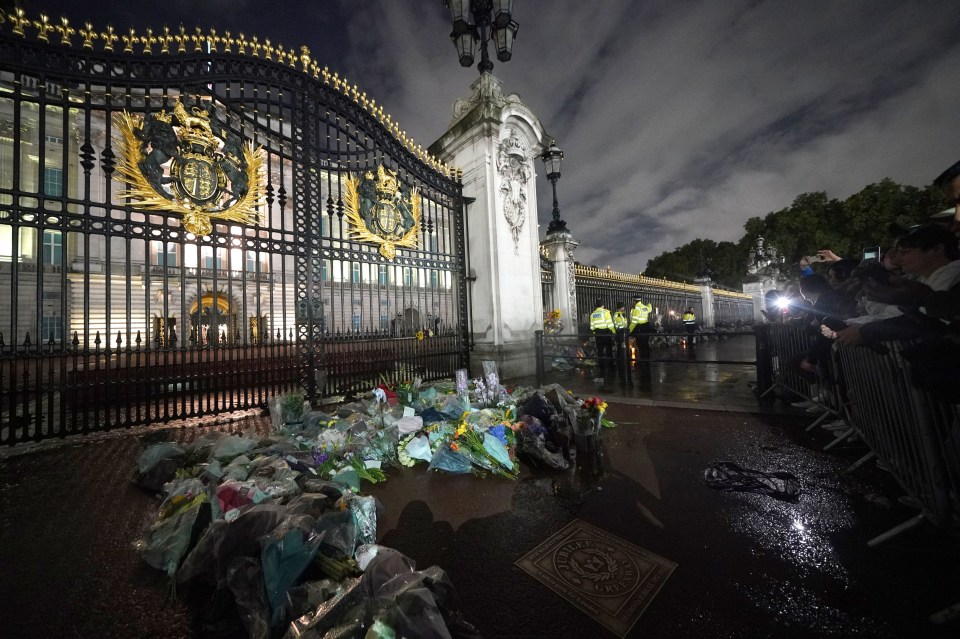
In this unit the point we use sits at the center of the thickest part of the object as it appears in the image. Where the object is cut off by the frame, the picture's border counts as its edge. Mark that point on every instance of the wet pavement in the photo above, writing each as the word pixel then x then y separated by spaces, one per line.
pixel 748 564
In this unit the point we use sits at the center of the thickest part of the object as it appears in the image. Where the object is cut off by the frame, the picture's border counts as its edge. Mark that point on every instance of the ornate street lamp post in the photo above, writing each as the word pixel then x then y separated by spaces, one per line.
pixel 552 156
pixel 479 21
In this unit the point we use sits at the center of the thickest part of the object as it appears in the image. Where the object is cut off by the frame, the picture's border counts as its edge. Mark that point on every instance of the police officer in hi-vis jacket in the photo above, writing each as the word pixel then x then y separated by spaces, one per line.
pixel 601 323
pixel 640 327
pixel 620 327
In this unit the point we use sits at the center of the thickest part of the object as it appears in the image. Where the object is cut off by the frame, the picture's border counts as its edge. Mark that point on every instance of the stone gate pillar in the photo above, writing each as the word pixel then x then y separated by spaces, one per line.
pixel 496 141
pixel 559 248
pixel 706 302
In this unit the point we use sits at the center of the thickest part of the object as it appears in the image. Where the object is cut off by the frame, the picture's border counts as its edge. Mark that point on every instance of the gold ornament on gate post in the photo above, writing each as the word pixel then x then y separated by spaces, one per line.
pixel 190 162
pixel 381 212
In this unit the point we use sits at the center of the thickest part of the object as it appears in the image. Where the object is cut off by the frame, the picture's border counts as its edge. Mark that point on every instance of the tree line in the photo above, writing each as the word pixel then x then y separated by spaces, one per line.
pixel 813 221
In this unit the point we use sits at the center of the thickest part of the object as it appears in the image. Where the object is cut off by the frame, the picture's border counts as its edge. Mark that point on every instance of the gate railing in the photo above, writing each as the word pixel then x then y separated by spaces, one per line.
pixel 49 393
pixel 121 309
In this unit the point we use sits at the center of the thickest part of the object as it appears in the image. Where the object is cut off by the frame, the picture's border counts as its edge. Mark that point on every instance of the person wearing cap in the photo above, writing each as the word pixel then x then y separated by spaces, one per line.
pixel 930 254
pixel 601 323
pixel 943 305
pixel 640 327
pixel 620 326
pixel 949 183
pixel 689 322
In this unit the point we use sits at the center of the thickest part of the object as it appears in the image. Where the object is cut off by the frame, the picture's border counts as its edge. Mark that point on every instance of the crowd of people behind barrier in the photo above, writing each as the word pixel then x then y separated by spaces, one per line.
pixel 899 312
pixel 910 294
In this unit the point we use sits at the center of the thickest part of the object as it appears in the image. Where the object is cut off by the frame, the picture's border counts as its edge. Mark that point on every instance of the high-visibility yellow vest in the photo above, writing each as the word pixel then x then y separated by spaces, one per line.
pixel 640 314
pixel 619 320
pixel 689 318
pixel 600 320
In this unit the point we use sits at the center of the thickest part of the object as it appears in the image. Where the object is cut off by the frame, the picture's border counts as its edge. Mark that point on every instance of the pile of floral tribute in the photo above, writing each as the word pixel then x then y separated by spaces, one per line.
pixel 277 527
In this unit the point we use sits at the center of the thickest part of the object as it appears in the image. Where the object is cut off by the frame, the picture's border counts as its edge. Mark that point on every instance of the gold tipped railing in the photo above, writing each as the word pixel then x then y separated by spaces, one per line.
pixel 629 278
pixel 181 42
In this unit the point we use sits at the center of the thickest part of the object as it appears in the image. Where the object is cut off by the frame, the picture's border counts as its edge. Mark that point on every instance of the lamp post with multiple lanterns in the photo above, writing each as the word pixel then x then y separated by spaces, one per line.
pixel 552 156
pixel 477 22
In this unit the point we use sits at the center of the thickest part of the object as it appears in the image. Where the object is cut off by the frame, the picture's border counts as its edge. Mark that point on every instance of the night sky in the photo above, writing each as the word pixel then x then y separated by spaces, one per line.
pixel 678 120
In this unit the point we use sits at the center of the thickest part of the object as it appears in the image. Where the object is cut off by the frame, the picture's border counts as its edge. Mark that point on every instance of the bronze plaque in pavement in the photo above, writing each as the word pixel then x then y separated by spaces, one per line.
pixel 608 578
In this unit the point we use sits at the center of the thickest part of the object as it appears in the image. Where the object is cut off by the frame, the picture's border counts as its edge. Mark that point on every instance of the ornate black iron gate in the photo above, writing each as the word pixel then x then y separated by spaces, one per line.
pixel 160 266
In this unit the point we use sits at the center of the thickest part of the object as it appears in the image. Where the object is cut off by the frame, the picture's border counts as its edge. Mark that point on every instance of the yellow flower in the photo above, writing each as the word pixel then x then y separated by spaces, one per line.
pixel 419 336
pixel 460 430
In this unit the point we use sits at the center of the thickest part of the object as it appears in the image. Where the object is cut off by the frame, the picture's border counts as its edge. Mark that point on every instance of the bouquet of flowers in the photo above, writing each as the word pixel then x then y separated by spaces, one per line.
pixel 552 323
pixel 590 416
pixel 485 451
pixel 406 390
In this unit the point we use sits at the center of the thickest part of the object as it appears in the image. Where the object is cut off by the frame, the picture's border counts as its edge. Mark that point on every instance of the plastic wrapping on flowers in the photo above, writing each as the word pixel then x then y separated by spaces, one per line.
pixel 276 521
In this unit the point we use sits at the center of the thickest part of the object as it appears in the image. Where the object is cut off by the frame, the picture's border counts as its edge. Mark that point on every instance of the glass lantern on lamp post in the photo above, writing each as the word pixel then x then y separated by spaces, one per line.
pixel 552 156
pixel 478 22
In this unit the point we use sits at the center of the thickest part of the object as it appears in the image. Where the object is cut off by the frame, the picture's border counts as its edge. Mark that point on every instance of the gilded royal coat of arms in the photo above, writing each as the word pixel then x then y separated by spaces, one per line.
pixel 190 162
pixel 381 211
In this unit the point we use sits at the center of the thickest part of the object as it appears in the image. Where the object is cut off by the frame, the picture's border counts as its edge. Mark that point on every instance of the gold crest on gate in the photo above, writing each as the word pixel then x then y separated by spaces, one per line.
pixel 380 211
pixel 190 162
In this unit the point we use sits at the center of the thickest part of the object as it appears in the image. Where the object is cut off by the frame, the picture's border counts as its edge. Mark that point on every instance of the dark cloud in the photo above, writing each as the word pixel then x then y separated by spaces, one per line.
pixel 678 120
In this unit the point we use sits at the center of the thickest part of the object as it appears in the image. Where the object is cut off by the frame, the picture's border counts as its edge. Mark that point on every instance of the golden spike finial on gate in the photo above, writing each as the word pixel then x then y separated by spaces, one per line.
pixel 315 70
pixel 129 39
pixel 242 44
pixel 164 40
pixel 148 41
pixel 65 31
pixel 292 58
pixel 227 42
pixel 182 40
pixel 109 37
pixel 281 54
pixel 255 47
pixel 267 49
pixel 305 57
pixel 43 27
pixel 18 21
pixel 88 35
pixel 198 40
pixel 213 40
pixel 326 75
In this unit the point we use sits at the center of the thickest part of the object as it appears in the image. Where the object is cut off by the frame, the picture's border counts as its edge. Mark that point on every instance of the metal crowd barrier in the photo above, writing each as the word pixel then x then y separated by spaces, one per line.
pixel 912 432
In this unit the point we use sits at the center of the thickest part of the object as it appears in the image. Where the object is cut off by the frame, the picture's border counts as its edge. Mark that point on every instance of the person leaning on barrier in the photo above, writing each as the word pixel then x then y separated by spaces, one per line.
pixel 931 255
pixel 944 304
pixel 601 323
pixel 640 327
